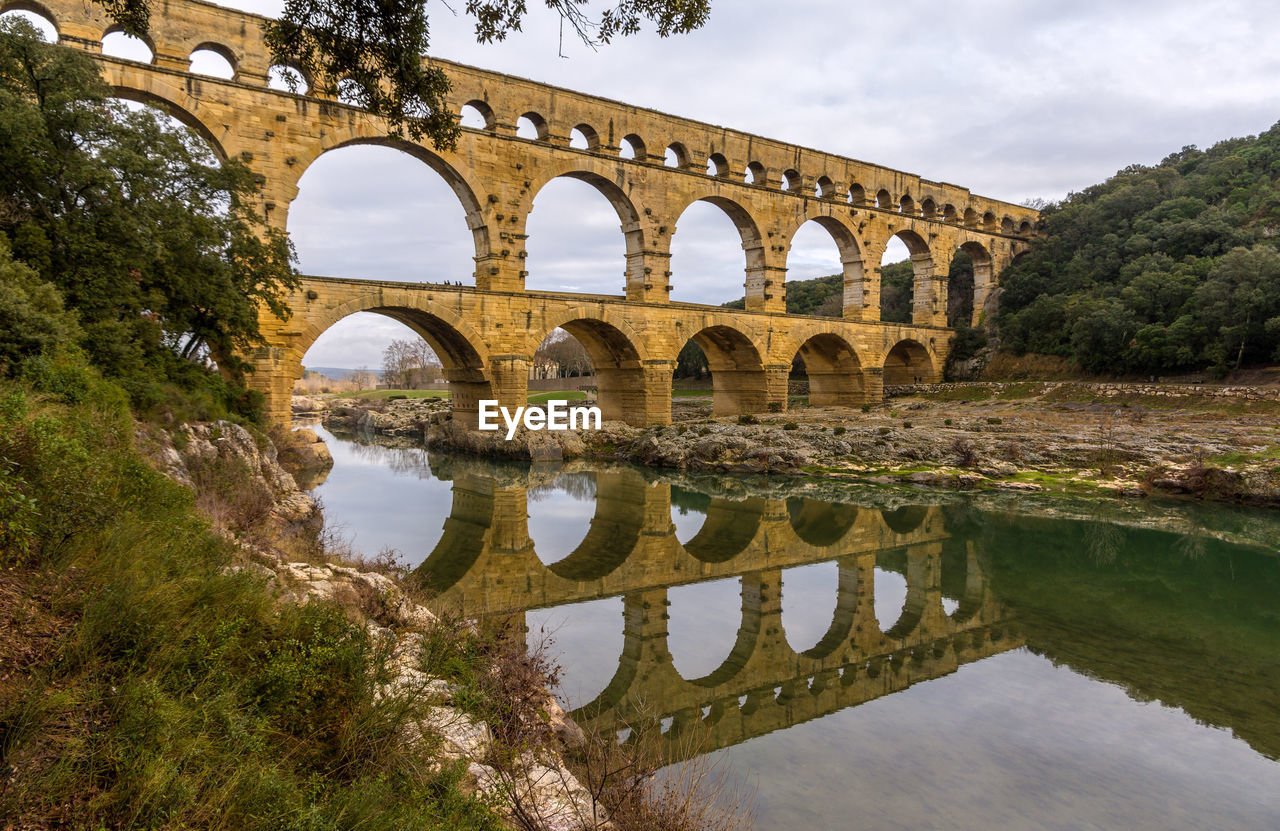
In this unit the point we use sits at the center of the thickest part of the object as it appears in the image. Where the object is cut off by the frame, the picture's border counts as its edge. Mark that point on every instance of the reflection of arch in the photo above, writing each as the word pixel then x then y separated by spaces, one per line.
pixel 617 364
pixel 904 520
pixel 177 111
pixel 614 532
pixel 820 524
pixel 737 372
pixel 729 528
pixel 744 646
pixel 845 617
pixel 908 362
pixel 456 181
pixel 834 371
pixel 469 520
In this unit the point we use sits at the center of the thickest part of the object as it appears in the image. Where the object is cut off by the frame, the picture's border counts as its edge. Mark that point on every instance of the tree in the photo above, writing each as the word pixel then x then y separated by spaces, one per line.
pixel 377 47
pixel 156 246
pixel 403 360
pixel 564 350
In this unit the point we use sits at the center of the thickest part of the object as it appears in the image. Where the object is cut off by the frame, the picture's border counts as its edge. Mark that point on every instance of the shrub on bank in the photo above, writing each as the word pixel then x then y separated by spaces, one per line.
pixel 154 686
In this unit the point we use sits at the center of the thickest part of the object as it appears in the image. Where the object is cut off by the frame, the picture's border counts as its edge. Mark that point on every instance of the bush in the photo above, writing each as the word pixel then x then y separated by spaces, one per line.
pixel 994 420
pixel 748 418
pixel 775 406
pixel 906 425
pixel 866 408
pixel 839 431
pixel 180 693
pixel 791 425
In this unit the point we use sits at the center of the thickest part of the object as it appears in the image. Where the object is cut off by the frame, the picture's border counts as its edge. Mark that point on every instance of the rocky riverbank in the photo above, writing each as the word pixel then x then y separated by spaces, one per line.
pixel 286 520
pixel 1127 440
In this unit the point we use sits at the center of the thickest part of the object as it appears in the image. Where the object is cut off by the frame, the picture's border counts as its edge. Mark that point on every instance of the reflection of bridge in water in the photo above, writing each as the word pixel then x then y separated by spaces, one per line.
pixel 485 564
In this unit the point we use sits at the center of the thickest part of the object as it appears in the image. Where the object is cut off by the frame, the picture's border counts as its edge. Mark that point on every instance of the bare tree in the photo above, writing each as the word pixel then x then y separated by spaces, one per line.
pixel 564 350
pixel 403 360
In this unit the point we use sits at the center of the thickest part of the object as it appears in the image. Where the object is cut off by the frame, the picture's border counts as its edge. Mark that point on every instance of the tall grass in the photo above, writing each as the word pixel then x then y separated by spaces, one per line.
pixel 178 693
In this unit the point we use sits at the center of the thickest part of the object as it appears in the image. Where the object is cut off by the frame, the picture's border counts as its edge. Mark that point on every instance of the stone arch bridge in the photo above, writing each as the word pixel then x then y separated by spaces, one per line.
pixel 485 565
pixel 649 165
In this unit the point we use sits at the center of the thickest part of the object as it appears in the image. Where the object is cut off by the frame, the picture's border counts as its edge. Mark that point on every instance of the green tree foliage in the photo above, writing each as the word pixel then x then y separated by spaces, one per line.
pixel 692 362
pixel 897 288
pixel 156 246
pixel 377 47
pixel 1158 269
pixel 33 321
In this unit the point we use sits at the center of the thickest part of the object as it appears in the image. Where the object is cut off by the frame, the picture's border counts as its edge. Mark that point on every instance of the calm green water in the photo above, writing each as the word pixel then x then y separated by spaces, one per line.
pixel 874 658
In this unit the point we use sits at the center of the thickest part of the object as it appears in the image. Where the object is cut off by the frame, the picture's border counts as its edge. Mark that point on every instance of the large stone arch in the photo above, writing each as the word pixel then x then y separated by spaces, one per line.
pixel 834 369
pixel 622 202
pixel 983 279
pixel 183 111
pixel 461 350
pixel 909 362
pixel 739 380
pixel 462 184
pixel 617 354
pixel 748 232
pixel 851 259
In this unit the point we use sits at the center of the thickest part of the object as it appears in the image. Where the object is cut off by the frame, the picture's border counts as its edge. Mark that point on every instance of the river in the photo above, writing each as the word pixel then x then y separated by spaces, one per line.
pixel 869 657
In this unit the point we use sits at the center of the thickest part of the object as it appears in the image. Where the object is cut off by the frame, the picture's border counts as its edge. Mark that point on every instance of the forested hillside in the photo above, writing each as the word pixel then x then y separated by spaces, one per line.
pixel 1167 268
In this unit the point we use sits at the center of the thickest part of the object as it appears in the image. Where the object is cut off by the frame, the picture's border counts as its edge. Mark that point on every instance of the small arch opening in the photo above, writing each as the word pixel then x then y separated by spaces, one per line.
pixel 884 200
pixel 970 218
pixel 476 115
pixel 754 174
pixel 928 208
pixel 676 156
pixel 824 188
pixel 830 372
pixel 45 28
pixel 857 195
pixel 1025 228
pixel 583 137
pixel 907 205
pixel 790 180
pixel 949 213
pixel 631 147
pixel 531 126
pixel 287 79
pixel 117 44
pixel 717 165
pixel 1006 225
pixel 214 61
pixel 989 221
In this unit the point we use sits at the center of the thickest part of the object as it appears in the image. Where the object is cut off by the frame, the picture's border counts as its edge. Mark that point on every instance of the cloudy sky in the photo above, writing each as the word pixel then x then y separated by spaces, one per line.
pixel 1013 99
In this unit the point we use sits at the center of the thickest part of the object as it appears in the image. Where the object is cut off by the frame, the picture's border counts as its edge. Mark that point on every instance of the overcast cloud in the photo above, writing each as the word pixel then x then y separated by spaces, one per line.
pixel 1011 99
